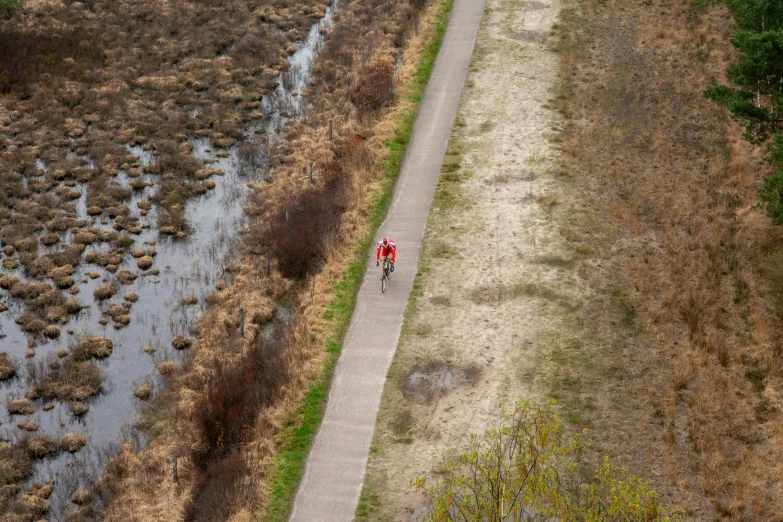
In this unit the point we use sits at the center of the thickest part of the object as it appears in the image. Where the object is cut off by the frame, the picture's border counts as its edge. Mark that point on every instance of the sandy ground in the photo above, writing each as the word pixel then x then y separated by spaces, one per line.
pixel 335 468
pixel 498 293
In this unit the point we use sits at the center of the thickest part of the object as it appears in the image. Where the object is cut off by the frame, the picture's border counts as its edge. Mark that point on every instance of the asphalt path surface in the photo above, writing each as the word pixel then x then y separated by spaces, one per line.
pixel 334 472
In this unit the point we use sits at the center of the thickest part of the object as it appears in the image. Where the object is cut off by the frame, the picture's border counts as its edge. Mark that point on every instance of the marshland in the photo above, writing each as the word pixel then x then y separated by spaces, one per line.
pixel 162 168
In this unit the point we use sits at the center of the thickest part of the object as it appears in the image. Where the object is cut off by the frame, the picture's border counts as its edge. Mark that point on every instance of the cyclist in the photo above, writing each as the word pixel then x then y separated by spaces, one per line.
pixel 386 248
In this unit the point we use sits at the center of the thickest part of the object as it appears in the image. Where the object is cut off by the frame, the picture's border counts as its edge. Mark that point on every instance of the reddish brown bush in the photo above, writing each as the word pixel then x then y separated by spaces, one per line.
pixel 17 63
pixel 226 410
pixel 219 487
pixel 296 236
pixel 376 87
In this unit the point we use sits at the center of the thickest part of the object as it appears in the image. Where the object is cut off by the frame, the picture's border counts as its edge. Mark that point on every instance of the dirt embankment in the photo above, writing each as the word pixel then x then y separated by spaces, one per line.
pixel 608 256
pixel 226 440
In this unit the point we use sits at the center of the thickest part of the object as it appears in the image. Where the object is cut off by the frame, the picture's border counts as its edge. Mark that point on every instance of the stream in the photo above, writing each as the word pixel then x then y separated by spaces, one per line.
pixel 187 267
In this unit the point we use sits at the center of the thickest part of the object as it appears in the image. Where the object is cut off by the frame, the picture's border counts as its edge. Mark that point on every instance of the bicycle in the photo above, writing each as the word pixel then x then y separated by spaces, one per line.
pixel 386 274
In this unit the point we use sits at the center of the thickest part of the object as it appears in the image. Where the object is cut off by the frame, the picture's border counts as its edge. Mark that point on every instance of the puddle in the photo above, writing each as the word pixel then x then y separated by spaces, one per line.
pixel 188 267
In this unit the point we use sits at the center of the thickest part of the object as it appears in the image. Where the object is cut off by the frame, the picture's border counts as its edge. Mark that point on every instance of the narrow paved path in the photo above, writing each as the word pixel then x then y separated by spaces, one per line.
pixel 335 469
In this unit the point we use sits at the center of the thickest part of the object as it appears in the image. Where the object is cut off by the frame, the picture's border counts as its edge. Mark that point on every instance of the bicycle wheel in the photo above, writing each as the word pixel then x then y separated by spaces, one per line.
pixel 383 283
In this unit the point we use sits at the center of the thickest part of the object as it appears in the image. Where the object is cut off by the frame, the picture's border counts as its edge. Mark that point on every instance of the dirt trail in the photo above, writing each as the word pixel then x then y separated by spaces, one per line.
pixel 335 469
pixel 497 282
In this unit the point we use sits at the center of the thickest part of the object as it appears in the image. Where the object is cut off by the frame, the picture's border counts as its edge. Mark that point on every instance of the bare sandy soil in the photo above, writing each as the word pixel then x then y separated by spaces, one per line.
pixel 498 288
pixel 629 276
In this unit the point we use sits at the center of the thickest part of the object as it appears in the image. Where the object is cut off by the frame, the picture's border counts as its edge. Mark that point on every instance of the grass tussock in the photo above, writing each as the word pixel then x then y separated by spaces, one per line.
pixel 8 367
pixel 687 268
pixel 68 379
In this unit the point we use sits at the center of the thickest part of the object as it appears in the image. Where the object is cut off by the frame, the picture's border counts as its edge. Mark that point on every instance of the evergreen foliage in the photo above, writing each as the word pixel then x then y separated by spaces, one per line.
pixel 757 102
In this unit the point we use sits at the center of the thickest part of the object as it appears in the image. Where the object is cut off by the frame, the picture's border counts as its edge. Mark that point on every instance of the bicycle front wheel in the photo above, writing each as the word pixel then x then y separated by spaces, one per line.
pixel 383 283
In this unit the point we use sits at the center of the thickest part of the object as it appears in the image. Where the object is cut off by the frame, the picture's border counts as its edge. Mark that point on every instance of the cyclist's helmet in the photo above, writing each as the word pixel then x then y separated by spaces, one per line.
pixel 385 241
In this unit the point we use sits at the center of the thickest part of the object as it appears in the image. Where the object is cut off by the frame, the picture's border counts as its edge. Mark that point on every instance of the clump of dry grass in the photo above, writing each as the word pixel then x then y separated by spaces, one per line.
pixel 167 368
pixel 126 277
pixel 78 408
pixel 27 426
pixel 72 442
pixel 181 343
pixel 8 367
pixel 81 497
pixel 68 379
pixel 92 348
pixel 144 262
pixel 40 446
pixel 104 292
pixel 143 392
pixel 19 407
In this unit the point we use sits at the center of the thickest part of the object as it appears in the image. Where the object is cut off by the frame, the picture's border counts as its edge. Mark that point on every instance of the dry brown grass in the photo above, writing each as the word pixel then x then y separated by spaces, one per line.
pixel 19 407
pixel 92 348
pixel 359 139
pixel 8 367
pixel 72 442
pixel 124 73
pixel 688 270
pixel 68 379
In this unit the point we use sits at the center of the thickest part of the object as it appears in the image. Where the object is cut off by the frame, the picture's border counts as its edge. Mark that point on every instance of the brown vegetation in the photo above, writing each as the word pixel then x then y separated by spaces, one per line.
pixel 80 82
pixel 229 469
pixel 92 348
pixel 68 379
pixel 8 367
pixel 19 407
pixel 686 269
pixel 72 442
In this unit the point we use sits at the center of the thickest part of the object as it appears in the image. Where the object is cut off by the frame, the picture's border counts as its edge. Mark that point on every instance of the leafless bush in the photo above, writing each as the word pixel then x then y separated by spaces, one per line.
pixel 297 234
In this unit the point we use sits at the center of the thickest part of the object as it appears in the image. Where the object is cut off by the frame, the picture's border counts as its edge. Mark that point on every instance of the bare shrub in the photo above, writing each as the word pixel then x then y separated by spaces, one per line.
pixel 236 395
pixel 376 87
pixel 220 488
pixel 297 235
pixel 17 62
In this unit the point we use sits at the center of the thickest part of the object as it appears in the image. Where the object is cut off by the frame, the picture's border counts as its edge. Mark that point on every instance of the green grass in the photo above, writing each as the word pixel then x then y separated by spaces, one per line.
pixel 296 437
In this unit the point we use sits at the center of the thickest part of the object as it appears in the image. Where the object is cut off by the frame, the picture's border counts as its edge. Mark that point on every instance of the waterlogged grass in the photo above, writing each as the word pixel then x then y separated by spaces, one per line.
pixel 297 436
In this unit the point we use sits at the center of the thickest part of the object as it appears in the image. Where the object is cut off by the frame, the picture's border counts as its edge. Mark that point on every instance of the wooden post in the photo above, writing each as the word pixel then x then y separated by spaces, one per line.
pixel 174 467
pixel 330 130
pixel 311 172
pixel 242 323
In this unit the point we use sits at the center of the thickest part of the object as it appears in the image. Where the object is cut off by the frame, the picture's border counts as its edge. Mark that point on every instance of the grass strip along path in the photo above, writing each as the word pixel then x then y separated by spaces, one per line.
pixel 287 467
pixel 335 468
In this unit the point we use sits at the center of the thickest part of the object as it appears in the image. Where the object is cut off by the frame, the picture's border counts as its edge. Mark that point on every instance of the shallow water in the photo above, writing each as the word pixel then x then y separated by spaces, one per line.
pixel 188 267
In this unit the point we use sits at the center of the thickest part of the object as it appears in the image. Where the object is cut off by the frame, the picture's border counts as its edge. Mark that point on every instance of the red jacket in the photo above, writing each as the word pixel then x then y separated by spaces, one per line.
pixel 388 250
